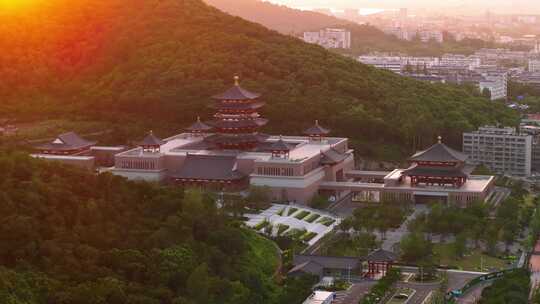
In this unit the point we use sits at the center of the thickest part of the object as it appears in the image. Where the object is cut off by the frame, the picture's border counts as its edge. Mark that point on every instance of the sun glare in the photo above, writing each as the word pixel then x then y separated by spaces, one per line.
pixel 16 5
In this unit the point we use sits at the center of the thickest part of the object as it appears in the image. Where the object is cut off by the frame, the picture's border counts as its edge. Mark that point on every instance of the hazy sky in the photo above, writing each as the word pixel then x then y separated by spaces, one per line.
pixel 521 6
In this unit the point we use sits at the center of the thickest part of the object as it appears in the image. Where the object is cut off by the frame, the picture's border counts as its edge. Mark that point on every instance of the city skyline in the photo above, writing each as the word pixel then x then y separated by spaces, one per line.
pixel 461 6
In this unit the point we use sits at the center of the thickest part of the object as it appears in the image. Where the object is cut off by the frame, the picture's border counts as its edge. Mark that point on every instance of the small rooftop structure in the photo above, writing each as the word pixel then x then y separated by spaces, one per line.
pixel 151 143
pixel 380 262
pixel 280 148
pixel 67 143
pixel 381 255
pixel 332 157
pixel 317 131
pixel 198 127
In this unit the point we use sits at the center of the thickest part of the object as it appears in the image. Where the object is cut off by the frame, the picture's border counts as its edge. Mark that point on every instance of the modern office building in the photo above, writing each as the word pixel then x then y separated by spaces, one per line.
pixel 330 38
pixel 390 63
pixel 430 35
pixel 502 150
pixel 496 83
pixel 469 62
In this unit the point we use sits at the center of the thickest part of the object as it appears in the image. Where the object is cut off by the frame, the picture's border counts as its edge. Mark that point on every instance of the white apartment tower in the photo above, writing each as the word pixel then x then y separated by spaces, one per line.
pixel 502 150
pixel 330 38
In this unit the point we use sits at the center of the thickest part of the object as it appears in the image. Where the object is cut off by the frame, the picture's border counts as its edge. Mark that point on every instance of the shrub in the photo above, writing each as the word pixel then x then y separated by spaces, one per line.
pixel 308 236
pixel 302 214
pixel 282 228
pixel 292 211
pixel 312 218
pixel 261 225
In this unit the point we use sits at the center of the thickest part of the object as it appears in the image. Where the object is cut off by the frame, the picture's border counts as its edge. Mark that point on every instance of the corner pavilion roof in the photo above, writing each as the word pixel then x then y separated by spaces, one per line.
pixel 237 93
pixel 280 145
pixel 199 126
pixel 209 167
pixel 151 140
pixel 317 130
pixel 332 156
pixel 67 142
pixel 439 153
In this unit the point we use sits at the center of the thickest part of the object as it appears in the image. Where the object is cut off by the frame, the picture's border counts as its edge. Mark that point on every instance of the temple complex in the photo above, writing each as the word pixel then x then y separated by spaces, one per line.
pixel 228 152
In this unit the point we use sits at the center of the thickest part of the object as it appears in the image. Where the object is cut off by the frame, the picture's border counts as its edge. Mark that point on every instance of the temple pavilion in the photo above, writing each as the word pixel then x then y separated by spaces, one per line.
pixel 229 152
pixel 66 144
pixel 439 165
pixel 237 121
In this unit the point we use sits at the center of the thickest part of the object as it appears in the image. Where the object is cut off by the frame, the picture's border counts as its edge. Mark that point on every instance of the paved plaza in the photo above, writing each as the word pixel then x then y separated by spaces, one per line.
pixel 279 214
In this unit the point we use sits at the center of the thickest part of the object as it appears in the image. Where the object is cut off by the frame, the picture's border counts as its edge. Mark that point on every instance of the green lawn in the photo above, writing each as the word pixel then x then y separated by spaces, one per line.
pixel 470 261
pixel 262 252
pixel 308 236
pixel 312 218
pixel 292 211
pixel 326 221
pixel 282 228
pixel 302 214
pixel 261 225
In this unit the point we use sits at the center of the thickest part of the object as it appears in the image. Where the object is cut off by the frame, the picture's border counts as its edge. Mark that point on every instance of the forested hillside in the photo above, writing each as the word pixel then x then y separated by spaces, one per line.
pixel 156 63
pixel 69 237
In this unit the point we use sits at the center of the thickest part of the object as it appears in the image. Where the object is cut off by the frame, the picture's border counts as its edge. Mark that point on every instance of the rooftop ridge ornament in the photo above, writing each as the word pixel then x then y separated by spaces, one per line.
pixel 439 139
pixel 236 80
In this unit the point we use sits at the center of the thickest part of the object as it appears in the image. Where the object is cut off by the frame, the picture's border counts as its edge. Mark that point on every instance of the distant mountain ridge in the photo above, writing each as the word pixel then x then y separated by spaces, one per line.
pixel 281 18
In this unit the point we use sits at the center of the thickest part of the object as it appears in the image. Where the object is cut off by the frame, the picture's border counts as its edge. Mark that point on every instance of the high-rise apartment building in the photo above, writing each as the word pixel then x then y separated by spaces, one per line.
pixel 502 150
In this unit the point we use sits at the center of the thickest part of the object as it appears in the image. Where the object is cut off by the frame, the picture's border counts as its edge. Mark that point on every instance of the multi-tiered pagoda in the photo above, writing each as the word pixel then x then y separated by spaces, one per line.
pixel 237 121
pixel 439 165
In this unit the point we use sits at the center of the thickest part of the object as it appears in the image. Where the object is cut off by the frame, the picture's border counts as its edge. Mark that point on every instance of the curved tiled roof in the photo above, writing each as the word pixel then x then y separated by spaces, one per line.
pixel 237 93
pixel 151 140
pixel 316 130
pixel 280 145
pixel 199 126
pixel 66 142
pixel 381 255
pixel 208 167
pixel 435 171
pixel 332 156
pixel 439 152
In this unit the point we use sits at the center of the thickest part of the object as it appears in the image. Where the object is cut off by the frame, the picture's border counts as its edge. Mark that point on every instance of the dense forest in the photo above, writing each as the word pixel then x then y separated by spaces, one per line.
pixel 70 236
pixel 156 63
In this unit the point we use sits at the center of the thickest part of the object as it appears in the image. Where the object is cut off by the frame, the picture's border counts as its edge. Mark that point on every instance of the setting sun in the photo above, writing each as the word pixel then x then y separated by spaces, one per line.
pixel 16 5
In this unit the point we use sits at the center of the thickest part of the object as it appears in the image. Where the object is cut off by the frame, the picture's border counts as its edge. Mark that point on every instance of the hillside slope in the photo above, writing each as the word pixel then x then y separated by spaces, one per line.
pixel 64 242
pixel 156 63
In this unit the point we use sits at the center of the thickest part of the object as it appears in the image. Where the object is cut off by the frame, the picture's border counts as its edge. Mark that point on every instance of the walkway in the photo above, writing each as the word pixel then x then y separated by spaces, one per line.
pixel 394 236
pixel 534 264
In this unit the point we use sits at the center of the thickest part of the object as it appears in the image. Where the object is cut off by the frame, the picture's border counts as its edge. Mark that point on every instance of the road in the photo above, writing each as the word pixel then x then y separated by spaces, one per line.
pixel 355 294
